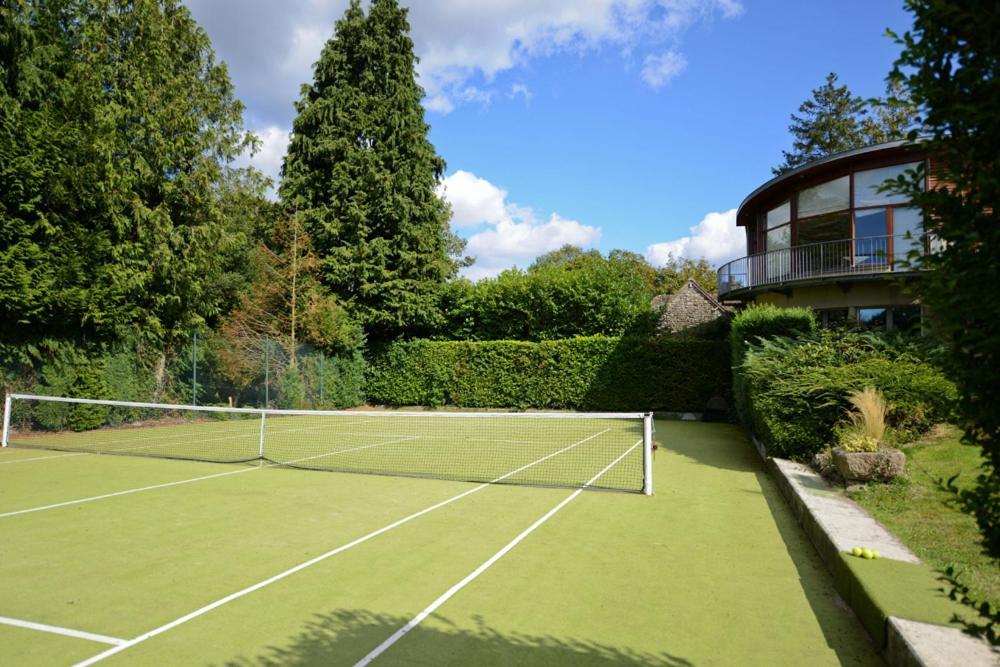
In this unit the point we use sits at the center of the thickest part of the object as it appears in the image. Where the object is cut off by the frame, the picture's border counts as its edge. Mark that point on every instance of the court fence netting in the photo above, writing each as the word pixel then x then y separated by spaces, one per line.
pixel 558 449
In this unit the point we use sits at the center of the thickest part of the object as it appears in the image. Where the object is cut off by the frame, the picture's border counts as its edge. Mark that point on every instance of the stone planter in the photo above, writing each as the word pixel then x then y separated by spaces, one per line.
pixel 859 467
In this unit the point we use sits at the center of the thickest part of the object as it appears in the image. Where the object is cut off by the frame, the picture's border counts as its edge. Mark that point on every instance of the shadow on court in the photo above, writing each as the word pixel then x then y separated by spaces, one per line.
pixel 344 636
pixel 813 575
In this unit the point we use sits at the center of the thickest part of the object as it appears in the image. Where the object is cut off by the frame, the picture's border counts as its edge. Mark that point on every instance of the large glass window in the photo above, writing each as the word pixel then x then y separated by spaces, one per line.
pixel 906 318
pixel 867 184
pixel 908 228
pixel 780 238
pixel 871 243
pixel 832 317
pixel 873 318
pixel 779 215
pixel 827 197
pixel 834 227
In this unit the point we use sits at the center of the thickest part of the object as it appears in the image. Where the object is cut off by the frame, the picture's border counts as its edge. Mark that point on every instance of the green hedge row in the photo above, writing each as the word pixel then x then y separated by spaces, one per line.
pixel 586 373
pixel 753 325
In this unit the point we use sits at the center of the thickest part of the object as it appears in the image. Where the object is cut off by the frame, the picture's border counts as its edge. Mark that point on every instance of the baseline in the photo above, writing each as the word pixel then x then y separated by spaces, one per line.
pixel 472 576
pixel 322 557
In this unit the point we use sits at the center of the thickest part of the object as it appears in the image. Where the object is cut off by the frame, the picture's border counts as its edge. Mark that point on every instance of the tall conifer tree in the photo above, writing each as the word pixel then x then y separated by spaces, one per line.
pixel 830 122
pixel 363 175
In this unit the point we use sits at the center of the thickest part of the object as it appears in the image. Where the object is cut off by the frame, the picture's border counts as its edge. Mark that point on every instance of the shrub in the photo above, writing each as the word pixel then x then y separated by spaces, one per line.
pixel 589 373
pixel 756 323
pixel 798 389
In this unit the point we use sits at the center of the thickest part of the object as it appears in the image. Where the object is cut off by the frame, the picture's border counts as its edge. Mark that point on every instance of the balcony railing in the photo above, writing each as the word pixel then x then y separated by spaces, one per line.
pixel 847 257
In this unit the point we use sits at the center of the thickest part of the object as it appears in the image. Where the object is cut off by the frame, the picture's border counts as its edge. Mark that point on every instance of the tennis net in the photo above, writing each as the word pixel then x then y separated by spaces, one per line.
pixel 532 448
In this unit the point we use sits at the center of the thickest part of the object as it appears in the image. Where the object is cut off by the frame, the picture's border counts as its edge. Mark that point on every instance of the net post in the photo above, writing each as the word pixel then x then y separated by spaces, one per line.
pixel 647 453
pixel 263 419
pixel 6 418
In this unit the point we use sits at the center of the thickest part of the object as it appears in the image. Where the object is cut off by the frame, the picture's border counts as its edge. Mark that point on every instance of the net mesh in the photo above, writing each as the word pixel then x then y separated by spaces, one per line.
pixel 542 449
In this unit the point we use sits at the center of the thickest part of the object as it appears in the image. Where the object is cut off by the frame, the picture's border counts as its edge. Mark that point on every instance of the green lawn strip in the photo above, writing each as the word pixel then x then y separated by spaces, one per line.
pixel 877 589
pixel 124 565
pixel 21 646
pixel 37 483
pixel 337 610
pixel 711 570
pixel 921 514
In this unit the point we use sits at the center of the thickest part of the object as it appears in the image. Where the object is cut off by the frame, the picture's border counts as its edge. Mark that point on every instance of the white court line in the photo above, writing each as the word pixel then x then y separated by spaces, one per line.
pixel 301 566
pixel 185 481
pixel 432 607
pixel 42 458
pixel 68 632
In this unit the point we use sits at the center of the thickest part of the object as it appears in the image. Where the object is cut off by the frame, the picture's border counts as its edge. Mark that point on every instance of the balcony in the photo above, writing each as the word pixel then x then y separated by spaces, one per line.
pixel 845 258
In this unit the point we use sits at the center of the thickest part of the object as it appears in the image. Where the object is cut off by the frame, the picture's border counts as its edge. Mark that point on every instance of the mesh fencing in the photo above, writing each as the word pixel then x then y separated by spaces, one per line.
pixel 542 449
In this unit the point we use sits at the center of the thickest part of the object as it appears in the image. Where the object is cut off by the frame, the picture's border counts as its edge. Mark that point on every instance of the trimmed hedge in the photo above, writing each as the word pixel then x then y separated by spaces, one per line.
pixel 797 389
pixel 754 324
pixel 586 373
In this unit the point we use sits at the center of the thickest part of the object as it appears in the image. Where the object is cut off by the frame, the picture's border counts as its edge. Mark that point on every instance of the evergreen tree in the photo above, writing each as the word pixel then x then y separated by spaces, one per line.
pixel 829 123
pixel 363 175
pixel 116 125
pixel 892 117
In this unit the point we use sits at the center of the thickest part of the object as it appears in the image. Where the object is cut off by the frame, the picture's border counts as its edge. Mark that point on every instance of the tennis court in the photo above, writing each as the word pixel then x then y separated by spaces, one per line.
pixel 141 560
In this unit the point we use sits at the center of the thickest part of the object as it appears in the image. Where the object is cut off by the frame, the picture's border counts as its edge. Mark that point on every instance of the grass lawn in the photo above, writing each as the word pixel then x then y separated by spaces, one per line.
pixel 920 513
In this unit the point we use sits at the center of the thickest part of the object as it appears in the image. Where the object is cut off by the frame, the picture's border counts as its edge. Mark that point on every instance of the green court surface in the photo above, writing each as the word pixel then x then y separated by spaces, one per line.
pixel 711 569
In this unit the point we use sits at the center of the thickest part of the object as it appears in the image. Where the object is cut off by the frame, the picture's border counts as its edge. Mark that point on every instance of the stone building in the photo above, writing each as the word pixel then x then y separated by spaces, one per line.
pixel 690 311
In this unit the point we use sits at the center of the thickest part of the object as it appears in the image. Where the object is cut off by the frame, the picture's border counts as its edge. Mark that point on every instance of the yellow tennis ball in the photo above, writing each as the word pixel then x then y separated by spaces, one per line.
pixel 867 554
pixel 876 554
pixel 856 551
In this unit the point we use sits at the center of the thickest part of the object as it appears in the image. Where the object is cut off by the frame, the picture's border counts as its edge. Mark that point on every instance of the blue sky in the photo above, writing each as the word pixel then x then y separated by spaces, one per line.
pixel 636 124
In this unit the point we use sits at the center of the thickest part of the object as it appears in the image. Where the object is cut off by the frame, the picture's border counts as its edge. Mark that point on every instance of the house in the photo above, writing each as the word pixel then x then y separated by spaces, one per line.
pixel 823 235
pixel 691 311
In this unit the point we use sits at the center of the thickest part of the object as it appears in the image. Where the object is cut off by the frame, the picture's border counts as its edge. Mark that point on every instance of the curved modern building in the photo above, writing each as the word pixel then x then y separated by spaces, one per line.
pixel 824 235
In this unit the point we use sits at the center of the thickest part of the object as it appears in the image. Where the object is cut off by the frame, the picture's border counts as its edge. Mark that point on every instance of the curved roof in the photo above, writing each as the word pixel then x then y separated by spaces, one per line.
pixel 813 168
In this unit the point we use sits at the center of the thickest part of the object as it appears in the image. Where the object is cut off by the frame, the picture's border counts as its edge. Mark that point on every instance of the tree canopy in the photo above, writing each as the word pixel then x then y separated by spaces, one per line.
pixel 835 120
pixel 363 175
pixel 116 128
pixel 564 293
pixel 950 64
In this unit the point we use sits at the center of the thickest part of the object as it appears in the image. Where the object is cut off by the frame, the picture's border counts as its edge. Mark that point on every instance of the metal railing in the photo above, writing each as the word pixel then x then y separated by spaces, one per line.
pixel 845 257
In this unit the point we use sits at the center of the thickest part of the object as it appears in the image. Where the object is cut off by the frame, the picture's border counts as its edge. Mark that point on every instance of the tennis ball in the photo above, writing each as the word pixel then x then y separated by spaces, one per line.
pixel 876 554
pixel 856 551
pixel 867 554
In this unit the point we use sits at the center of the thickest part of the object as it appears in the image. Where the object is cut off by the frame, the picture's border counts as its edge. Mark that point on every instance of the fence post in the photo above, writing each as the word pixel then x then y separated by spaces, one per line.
pixel 194 368
pixel 267 374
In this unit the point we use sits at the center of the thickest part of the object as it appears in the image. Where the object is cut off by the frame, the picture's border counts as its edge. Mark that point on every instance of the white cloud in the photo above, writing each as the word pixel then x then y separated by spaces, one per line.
pixel 716 238
pixel 474 200
pixel 514 235
pixel 657 70
pixel 522 90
